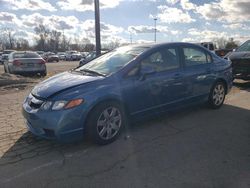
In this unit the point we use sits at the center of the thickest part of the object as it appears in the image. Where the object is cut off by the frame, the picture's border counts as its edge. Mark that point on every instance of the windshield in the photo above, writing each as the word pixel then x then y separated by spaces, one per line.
pixel 113 61
pixel 244 47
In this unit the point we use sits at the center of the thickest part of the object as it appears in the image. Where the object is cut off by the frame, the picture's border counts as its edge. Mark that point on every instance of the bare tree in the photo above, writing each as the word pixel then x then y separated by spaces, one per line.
pixel 54 40
pixel 43 33
pixel 89 47
pixel 7 38
pixel 22 44
pixel 220 42
pixel 231 44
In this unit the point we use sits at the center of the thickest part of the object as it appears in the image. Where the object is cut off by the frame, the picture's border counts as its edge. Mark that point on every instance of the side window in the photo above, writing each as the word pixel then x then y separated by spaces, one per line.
pixel 165 59
pixel 195 56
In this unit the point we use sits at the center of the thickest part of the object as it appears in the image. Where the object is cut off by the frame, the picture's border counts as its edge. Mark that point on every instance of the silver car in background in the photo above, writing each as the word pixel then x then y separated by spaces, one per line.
pixel 25 62
pixel 61 55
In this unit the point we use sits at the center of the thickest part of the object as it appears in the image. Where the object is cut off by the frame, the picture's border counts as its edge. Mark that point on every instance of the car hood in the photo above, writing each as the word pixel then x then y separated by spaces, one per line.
pixel 239 55
pixel 61 82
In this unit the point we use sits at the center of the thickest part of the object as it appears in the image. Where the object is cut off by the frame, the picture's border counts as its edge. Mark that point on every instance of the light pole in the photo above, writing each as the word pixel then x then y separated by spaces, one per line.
pixel 97 29
pixel 155 19
pixel 131 39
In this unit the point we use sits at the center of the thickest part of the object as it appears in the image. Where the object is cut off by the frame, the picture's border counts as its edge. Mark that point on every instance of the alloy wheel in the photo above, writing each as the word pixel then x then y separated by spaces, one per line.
pixel 109 123
pixel 218 94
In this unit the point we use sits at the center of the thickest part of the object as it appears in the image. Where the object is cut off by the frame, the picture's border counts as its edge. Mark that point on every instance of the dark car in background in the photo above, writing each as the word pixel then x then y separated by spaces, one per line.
pixel 51 57
pixel 90 57
pixel 25 62
pixel 241 61
pixel 222 52
pixel 131 82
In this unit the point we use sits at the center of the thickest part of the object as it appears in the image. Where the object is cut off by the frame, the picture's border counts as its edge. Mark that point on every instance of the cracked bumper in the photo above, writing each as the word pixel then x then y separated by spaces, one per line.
pixel 63 125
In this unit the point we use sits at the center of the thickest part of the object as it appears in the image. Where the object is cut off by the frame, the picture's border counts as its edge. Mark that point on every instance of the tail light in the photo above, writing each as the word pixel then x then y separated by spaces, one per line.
pixel 16 63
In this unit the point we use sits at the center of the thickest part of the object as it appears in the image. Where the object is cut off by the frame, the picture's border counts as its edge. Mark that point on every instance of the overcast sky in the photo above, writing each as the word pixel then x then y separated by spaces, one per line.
pixel 178 20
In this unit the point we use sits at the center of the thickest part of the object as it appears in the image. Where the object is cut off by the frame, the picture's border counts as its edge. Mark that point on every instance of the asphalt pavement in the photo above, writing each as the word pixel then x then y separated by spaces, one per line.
pixel 195 147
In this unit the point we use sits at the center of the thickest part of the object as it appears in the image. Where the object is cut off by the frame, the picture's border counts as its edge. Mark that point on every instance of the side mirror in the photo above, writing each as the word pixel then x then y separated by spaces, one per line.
pixel 145 71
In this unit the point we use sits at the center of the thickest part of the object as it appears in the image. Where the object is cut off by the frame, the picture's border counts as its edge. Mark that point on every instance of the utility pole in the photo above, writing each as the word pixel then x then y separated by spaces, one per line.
pixel 155 19
pixel 97 28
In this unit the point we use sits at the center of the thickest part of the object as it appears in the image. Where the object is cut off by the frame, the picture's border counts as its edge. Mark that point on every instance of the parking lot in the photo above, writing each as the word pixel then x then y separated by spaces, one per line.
pixel 194 147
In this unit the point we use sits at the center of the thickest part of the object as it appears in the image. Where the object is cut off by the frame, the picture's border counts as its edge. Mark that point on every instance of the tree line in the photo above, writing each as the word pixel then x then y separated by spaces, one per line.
pixel 44 40
pixel 55 41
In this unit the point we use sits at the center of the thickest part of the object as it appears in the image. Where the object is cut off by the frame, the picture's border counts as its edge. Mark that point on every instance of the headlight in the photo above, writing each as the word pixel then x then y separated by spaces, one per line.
pixel 28 98
pixel 58 105
pixel 46 105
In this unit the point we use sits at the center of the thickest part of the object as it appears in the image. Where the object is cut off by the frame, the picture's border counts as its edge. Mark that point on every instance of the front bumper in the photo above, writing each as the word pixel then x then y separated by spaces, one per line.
pixel 243 76
pixel 61 125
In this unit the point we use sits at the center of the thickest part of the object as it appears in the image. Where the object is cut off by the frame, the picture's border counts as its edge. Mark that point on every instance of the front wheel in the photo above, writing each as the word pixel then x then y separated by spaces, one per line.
pixel 217 95
pixel 105 123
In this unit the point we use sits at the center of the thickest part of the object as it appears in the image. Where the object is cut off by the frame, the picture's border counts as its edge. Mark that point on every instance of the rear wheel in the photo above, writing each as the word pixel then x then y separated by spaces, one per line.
pixel 217 95
pixel 105 123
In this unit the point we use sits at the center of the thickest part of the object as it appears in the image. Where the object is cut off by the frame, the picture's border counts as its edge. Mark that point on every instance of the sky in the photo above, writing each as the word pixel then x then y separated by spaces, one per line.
pixel 121 20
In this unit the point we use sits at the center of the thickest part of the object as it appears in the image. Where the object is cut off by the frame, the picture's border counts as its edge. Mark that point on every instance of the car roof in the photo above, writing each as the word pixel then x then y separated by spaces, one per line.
pixel 156 45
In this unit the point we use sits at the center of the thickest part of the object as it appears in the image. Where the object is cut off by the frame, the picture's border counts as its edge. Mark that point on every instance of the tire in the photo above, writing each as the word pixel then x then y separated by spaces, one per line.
pixel 43 74
pixel 217 95
pixel 105 123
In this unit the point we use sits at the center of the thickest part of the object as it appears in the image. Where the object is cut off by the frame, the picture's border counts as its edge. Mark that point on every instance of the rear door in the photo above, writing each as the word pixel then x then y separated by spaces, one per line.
pixel 199 71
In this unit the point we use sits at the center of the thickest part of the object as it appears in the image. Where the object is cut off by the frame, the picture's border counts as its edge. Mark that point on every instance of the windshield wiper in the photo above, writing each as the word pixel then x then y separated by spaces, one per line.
pixel 92 72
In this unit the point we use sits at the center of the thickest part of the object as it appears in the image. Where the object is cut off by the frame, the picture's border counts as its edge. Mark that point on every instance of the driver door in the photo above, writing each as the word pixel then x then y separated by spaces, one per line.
pixel 158 85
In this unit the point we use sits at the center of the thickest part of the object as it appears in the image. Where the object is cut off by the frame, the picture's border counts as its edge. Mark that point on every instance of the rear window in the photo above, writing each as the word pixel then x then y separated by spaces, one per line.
pixel 26 55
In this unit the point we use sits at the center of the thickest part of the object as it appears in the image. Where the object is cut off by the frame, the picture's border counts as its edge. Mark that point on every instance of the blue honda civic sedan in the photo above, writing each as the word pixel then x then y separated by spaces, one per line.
pixel 130 82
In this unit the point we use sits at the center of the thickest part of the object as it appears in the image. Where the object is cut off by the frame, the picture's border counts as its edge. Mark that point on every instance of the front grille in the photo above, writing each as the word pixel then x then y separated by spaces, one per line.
pixel 34 105
pixel 241 63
